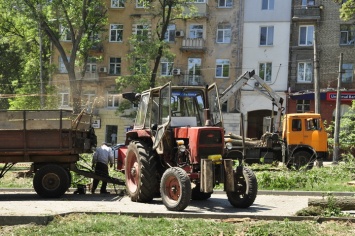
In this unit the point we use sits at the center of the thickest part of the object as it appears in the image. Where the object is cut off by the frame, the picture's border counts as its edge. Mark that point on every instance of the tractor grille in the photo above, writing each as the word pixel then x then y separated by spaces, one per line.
pixel 210 143
pixel 210 137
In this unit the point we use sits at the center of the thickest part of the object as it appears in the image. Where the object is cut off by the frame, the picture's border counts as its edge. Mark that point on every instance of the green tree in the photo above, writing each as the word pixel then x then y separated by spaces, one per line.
pixel 19 67
pixel 347 131
pixel 149 49
pixel 77 21
pixel 347 10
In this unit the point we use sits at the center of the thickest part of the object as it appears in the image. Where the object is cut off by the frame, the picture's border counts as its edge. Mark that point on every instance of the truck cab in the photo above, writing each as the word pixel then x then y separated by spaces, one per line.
pixel 304 133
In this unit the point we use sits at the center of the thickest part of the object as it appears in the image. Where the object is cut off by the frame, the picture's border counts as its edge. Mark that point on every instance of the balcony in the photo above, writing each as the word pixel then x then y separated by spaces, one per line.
pixel 196 44
pixel 308 13
pixel 192 80
pixel 198 10
pixel 89 76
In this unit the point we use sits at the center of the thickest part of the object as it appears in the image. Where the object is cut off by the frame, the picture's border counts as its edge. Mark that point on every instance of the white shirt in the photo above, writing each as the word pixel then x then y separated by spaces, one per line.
pixel 103 154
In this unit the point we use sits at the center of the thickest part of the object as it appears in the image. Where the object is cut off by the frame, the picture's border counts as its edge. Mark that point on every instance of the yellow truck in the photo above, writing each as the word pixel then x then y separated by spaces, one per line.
pixel 301 141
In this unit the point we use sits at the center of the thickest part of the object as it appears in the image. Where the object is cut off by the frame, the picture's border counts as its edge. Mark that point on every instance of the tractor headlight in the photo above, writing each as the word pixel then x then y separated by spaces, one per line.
pixel 229 146
pixel 182 148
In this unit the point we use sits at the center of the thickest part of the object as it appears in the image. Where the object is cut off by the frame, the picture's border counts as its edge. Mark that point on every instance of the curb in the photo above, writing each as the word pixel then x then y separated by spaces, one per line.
pixel 45 220
pixel 260 192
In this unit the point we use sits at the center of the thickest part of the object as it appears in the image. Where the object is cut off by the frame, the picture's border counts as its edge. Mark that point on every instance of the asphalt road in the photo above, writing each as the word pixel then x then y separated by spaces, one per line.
pixel 26 207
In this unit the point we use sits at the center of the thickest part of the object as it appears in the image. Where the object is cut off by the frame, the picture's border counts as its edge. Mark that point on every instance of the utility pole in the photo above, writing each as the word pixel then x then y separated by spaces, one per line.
pixel 316 76
pixel 337 115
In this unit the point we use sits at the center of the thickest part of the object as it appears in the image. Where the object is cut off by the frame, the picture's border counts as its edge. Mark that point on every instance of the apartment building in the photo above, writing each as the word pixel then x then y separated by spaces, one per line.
pixel 317 21
pixel 207 49
pixel 266 40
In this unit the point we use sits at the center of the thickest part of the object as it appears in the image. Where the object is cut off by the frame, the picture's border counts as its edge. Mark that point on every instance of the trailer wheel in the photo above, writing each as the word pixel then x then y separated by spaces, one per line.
pixel 175 189
pixel 246 189
pixel 140 173
pixel 300 159
pixel 196 194
pixel 51 181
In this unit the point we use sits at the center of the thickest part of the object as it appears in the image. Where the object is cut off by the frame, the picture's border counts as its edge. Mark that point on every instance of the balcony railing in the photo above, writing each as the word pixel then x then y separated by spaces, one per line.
pixel 198 10
pixel 192 80
pixel 89 76
pixel 197 44
pixel 309 13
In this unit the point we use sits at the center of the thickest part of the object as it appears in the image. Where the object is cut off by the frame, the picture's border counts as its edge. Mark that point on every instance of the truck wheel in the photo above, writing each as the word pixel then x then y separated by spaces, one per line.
pixel 245 189
pixel 301 158
pixel 175 189
pixel 196 194
pixel 51 181
pixel 140 173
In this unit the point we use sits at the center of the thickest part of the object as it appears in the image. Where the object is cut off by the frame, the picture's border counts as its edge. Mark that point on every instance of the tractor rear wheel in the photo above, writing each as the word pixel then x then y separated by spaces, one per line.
pixel 51 181
pixel 175 189
pixel 140 172
pixel 245 189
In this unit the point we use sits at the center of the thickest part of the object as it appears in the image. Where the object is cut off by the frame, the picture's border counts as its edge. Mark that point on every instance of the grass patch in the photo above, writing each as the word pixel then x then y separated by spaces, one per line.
pixel 332 178
pixel 83 224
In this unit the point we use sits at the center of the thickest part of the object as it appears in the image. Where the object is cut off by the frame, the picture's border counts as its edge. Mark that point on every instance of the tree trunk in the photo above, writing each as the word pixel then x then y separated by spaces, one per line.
pixel 343 203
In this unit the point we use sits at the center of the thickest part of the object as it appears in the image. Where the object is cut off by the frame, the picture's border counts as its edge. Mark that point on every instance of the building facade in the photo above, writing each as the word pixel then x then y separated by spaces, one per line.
pixel 266 40
pixel 207 49
pixel 316 24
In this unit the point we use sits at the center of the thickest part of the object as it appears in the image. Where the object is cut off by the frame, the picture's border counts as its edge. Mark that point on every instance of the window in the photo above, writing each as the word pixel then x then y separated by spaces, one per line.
pixel 296 125
pixel 266 35
pixel 64 99
pixel 170 34
pixel 194 71
pixel 116 33
pixel 222 68
pixel 117 3
pixel 347 34
pixel 115 66
pixel 306 35
pixel 91 65
pixel 303 106
pixel 112 100
pixel 313 124
pixel 142 32
pixel 88 100
pixel 196 31
pixel 306 3
pixel 267 5
pixel 65 34
pixel 265 71
pixel 304 72
pixel 224 33
pixel 166 67
pixel 348 73
pixel 225 3
pixel 141 3
pixel 62 68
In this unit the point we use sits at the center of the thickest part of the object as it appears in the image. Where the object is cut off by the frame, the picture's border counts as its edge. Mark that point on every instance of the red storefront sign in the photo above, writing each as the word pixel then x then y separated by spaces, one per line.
pixel 345 96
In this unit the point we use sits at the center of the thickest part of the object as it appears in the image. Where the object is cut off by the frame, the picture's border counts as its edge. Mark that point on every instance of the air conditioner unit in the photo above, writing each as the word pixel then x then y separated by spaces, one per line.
pixel 103 69
pixel 176 71
pixel 179 33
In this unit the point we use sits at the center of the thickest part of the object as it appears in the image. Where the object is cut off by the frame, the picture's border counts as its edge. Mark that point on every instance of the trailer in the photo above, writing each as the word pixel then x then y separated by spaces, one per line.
pixel 52 141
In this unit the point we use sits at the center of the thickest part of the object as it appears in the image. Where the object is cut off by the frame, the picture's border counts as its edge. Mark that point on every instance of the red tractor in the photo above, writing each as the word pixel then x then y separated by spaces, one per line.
pixel 176 149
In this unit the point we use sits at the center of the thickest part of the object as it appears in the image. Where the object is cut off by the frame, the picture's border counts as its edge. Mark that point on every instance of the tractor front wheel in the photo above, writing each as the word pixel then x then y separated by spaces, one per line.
pixel 140 172
pixel 175 189
pixel 245 189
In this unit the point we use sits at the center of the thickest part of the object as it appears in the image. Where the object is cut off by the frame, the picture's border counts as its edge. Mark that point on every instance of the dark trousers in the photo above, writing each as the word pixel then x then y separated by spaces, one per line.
pixel 102 170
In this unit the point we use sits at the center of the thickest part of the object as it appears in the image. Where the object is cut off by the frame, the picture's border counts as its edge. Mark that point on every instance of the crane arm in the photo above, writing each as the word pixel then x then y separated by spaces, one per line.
pixel 268 93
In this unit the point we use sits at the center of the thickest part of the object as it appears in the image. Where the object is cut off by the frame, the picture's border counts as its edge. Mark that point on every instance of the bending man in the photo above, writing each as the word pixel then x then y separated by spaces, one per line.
pixel 101 158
